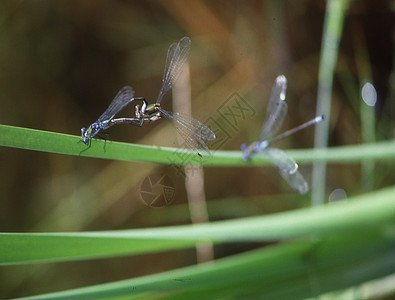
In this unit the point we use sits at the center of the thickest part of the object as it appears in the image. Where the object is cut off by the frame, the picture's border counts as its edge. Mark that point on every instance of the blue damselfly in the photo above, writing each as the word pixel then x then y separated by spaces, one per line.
pixel 275 114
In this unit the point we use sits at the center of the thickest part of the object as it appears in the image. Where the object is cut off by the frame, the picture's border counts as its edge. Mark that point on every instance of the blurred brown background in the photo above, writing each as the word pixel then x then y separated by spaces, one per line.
pixel 62 62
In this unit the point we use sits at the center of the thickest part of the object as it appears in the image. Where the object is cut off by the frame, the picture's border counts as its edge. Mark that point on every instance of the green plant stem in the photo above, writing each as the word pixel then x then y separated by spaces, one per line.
pixel 367 111
pixel 335 13
pixel 368 125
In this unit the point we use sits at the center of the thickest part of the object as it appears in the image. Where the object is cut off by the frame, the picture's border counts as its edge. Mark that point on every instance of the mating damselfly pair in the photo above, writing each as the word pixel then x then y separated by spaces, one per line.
pixel 193 131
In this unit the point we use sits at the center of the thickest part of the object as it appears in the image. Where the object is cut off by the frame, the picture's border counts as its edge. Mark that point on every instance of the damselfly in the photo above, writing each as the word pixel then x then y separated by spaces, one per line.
pixel 123 98
pixel 193 131
pixel 276 111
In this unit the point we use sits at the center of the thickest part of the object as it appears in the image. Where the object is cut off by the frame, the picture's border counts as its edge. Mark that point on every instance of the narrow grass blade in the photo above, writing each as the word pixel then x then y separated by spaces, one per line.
pixel 45 141
pixel 301 269
pixel 358 214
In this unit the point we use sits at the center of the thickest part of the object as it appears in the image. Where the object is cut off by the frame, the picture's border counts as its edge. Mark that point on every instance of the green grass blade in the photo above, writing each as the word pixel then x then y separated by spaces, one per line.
pixel 295 270
pixel 359 214
pixel 38 140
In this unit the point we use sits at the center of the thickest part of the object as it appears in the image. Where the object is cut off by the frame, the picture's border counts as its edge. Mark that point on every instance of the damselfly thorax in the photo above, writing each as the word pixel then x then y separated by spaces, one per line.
pixel 143 114
pixel 152 110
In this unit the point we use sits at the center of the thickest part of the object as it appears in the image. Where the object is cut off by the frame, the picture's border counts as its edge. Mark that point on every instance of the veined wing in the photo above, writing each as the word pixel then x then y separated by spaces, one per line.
pixel 281 160
pixel 176 57
pixel 192 131
pixel 297 181
pixel 276 110
pixel 288 169
pixel 124 96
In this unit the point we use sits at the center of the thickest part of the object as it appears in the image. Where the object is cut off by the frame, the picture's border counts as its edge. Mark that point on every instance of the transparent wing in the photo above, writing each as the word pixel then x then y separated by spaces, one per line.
pixel 192 131
pixel 297 181
pixel 124 96
pixel 169 58
pixel 281 160
pixel 176 57
pixel 288 169
pixel 276 110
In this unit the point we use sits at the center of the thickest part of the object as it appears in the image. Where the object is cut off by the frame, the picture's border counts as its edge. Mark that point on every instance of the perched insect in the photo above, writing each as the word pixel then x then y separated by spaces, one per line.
pixel 275 114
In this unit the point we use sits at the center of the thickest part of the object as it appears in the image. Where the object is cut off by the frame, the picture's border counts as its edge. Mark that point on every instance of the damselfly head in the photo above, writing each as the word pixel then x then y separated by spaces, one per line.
pixel 84 135
pixel 246 152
